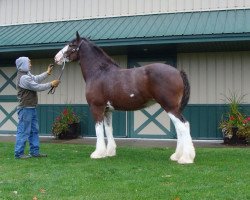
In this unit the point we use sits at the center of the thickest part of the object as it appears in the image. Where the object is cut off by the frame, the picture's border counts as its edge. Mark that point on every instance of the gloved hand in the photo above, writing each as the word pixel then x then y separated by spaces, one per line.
pixel 55 83
pixel 50 67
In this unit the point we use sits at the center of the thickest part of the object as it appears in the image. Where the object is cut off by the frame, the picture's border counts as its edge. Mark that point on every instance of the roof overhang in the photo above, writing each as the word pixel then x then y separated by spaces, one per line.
pixel 188 31
pixel 135 41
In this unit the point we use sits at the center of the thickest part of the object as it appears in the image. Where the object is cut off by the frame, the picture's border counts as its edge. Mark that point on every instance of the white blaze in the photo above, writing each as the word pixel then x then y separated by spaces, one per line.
pixel 59 56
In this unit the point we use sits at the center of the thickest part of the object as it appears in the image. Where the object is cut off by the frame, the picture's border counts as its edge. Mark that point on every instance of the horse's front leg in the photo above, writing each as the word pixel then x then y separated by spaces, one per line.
pixel 111 146
pixel 100 151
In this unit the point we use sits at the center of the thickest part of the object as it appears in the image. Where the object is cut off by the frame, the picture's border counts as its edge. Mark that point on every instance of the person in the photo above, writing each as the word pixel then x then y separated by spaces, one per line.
pixel 27 87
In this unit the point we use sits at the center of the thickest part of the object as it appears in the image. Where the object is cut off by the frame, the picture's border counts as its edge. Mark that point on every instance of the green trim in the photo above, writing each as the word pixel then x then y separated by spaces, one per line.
pixel 5 132
pixel 148 136
pixel 8 80
pixel 204 120
pixel 48 112
pixel 151 118
pixel 137 41
pixel 175 40
pixel 130 124
pixel 8 116
pixel 19 48
pixel 8 98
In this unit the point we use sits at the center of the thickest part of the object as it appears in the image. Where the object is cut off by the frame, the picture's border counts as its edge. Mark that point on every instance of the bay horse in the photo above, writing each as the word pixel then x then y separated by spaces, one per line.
pixel 109 87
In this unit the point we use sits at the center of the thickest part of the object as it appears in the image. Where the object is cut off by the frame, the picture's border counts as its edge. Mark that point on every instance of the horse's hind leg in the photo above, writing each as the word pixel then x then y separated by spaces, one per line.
pixel 185 152
pixel 178 151
pixel 179 147
pixel 111 145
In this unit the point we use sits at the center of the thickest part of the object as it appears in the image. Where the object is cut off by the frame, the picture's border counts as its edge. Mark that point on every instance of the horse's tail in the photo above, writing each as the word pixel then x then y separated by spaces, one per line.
pixel 186 92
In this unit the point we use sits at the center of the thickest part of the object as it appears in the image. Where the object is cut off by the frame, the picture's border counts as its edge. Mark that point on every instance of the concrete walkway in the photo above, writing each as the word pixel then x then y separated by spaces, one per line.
pixel 126 142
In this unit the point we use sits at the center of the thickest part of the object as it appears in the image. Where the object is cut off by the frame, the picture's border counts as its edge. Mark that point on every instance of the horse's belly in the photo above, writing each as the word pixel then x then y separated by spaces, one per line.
pixel 130 105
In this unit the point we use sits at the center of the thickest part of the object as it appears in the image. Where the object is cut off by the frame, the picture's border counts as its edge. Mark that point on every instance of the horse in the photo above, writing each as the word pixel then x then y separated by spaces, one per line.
pixel 109 87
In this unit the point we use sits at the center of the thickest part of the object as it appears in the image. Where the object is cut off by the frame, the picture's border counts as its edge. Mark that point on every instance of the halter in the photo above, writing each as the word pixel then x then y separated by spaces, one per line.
pixel 53 89
pixel 73 50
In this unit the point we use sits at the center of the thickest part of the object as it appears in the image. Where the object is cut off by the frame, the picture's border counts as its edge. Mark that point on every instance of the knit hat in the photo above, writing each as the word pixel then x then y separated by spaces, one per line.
pixel 22 64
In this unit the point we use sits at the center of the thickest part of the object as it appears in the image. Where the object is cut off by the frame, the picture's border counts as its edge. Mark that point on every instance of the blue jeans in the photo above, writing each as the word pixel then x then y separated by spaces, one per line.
pixel 27 129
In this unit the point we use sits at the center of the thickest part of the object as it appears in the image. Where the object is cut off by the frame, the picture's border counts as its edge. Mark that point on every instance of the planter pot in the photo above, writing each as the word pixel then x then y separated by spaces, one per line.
pixel 235 139
pixel 72 132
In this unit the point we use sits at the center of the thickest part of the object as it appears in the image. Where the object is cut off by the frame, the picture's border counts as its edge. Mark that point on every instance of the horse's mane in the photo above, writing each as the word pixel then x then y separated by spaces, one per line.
pixel 105 59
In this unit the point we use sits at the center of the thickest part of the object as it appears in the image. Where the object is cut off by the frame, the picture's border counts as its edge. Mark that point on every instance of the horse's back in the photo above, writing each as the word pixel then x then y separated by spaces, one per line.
pixel 163 69
pixel 165 85
pixel 136 87
pixel 159 73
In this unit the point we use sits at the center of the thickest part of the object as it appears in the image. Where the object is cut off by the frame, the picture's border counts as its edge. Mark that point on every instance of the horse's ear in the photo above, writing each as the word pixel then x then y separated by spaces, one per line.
pixel 78 36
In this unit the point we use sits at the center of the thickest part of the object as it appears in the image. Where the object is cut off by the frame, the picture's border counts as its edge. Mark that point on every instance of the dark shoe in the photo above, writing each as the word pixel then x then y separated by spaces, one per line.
pixel 40 155
pixel 23 157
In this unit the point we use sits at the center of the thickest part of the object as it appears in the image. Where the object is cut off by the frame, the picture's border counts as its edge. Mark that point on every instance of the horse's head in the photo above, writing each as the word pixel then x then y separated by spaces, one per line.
pixel 70 51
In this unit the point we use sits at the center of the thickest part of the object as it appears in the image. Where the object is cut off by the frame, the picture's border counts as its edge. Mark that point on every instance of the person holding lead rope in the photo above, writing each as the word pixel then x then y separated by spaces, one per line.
pixel 27 86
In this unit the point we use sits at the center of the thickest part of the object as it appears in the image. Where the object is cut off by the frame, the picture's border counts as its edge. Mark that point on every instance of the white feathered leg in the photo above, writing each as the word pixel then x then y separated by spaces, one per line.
pixel 188 147
pixel 111 145
pixel 100 151
pixel 178 151
pixel 185 152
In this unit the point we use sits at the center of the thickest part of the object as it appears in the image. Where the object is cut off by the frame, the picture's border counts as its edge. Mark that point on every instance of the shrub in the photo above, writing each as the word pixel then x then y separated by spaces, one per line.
pixel 62 122
pixel 235 117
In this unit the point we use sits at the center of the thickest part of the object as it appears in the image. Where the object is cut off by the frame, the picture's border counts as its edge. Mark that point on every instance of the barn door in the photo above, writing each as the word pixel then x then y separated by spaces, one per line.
pixel 8 100
pixel 151 122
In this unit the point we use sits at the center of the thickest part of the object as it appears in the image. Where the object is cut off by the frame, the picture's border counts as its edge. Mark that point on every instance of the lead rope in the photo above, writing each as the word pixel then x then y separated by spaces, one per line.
pixel 53 89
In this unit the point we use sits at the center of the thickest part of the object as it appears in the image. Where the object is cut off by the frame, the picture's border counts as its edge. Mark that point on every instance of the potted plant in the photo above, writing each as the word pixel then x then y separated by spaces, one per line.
pixel 236 125
pixel 66 125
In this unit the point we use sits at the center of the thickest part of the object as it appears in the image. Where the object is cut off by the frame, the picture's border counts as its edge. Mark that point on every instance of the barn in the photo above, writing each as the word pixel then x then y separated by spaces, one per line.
pixel 209 39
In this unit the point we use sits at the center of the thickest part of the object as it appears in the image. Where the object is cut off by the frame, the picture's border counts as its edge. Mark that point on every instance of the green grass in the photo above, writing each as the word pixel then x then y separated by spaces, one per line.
pixel 135 173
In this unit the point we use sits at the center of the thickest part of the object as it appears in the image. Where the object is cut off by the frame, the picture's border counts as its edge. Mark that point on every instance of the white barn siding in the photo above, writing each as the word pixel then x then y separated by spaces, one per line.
pixel 213 75
pixel 210 74
pixel 33 11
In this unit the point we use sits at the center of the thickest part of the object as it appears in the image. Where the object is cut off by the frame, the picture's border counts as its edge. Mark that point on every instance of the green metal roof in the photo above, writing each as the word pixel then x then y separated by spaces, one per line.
pixel 171 28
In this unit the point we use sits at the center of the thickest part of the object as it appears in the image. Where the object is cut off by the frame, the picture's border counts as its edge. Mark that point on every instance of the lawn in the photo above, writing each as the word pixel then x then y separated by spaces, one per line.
pixel 135 173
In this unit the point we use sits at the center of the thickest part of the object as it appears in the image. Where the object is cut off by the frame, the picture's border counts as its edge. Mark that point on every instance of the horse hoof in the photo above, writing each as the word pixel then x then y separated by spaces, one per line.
pixel 111 153
pixel 111 150
pixel 98 155
pixel 184 161
pixel 174 157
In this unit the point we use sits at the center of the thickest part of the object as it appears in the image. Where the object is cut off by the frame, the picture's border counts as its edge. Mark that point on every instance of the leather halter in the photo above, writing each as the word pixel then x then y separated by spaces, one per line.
pixel 73 50
pixel 53 89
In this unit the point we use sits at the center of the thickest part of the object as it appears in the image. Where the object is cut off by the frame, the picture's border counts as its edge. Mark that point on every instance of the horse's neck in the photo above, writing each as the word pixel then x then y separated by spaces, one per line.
pixel 92 66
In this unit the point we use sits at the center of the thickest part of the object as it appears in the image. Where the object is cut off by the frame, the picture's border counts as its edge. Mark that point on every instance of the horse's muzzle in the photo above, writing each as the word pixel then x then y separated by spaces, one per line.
pixel 59 58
